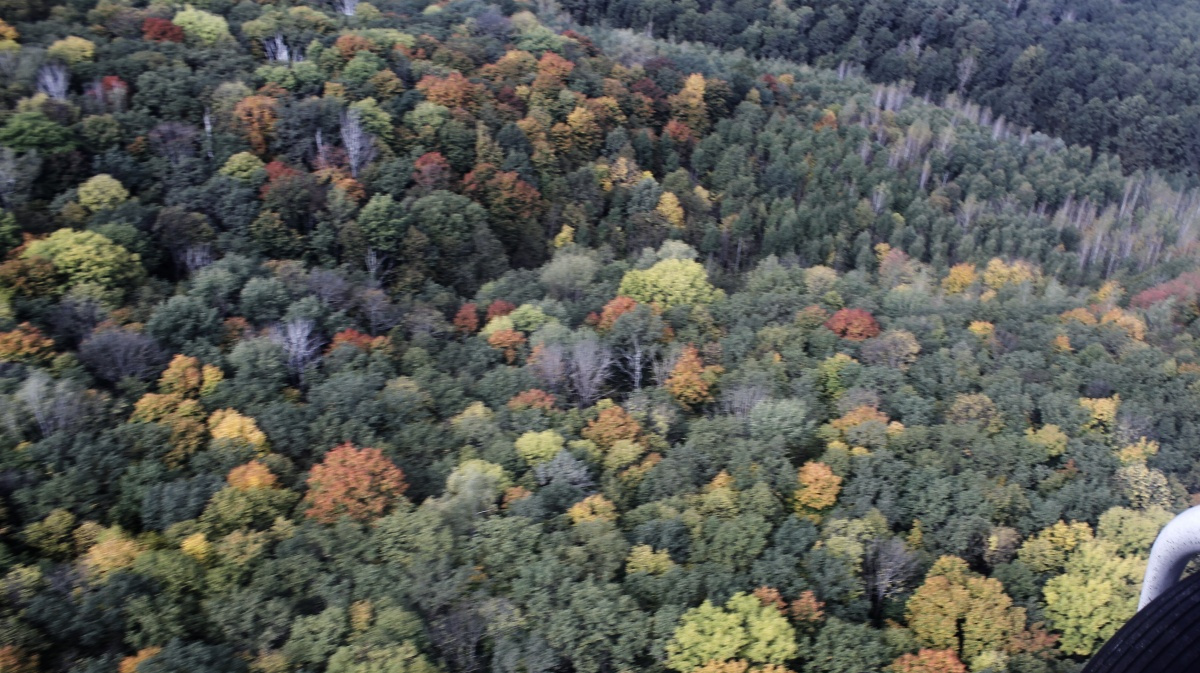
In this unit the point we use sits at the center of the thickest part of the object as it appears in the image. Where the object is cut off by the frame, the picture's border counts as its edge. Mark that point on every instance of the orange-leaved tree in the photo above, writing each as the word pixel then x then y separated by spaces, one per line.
pixel 509 341
pixel 853 324
pixel 818 489
pixel 614 309
pixel 611 426
pixel 26 343
pixel 533 398
pixel 929 661
pixel 361 484
pixel 691 382
pixel 257 116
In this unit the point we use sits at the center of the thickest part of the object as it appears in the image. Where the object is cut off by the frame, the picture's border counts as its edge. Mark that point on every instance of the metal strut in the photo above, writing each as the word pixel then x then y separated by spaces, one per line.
pixel 1176 544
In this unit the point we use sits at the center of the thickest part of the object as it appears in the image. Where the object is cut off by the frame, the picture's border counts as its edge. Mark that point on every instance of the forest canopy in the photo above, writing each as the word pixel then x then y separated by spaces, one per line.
pixel 395 336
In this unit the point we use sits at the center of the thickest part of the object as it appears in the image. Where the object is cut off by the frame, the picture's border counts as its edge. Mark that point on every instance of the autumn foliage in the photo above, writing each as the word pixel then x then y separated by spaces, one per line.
pixel 182 377
pixel 499 308
pixel 532 399
pixel 15 660
pixel 360 484
pixel 251 475
pixel 155 29
pixel 356 339
pixel 929 661
pixel 957 609
pixel 256 115
pixel 853 324
pixel 1185 289
pixel 431 171
pixel 26 343
pixel 453 91
pixel 806 608
pixel 466 320
pixel 818 489
pixel 614 309
pixel 612 425
pixel 691 381
pixel 509 341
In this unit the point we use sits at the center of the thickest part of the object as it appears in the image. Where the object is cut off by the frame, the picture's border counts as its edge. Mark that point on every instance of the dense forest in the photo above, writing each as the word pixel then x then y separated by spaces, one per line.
pixel 398 337
pixel 1119 77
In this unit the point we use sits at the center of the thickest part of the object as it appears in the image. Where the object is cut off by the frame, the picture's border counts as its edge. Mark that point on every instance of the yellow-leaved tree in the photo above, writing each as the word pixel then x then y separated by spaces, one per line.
pixel 744 630
pixel 671 282
pixel 956 609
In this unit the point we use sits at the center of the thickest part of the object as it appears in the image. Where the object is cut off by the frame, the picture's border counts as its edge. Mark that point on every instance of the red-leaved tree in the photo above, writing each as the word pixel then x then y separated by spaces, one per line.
pixel 499 308
pixel 466 321
pixel 360 484
pixel 155 29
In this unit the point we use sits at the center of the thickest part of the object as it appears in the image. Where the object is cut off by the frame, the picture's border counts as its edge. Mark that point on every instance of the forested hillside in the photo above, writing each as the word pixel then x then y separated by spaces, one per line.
pixel 1116 76
pixel 408 338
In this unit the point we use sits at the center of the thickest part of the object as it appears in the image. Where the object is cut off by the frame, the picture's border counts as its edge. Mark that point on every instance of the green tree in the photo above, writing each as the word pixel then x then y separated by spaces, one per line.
pixel 402 658
pixel 32 130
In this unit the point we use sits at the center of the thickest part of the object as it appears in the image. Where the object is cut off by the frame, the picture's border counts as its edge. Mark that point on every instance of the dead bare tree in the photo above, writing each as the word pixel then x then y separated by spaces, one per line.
pixel 52 80
pixel 457 635
pixel 198 256
pixel 115 354
pixel 632 357
pixel 662 367
pixel 276 49
pixel 17 173
pixel 588 364
pixel 174 141
pixel 740 400
pixel 379 311
pixel 358 142
pixel 300 341
pixel 550 366
pixel 55 406
pixel 330 287
pixel 966 70
pixel 378 266
pixel 888 567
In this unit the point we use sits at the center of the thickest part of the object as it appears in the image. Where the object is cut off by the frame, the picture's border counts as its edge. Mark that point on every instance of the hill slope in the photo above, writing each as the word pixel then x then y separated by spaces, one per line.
pixel 416 337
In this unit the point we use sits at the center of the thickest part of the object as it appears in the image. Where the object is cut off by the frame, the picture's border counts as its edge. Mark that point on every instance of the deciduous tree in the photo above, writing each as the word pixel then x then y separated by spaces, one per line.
pixel 360 484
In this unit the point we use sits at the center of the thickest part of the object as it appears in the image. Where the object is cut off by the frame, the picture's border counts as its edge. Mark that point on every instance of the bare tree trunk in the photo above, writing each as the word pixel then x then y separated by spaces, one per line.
pixel 300 342
pixel 550 366
pixel 52 80
pixel 17 173
pixel 589 363
pixel 208 133
pixel 276 49
pixel 54 406
pixel 359 144
pixel 632 358
pixel 966 70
